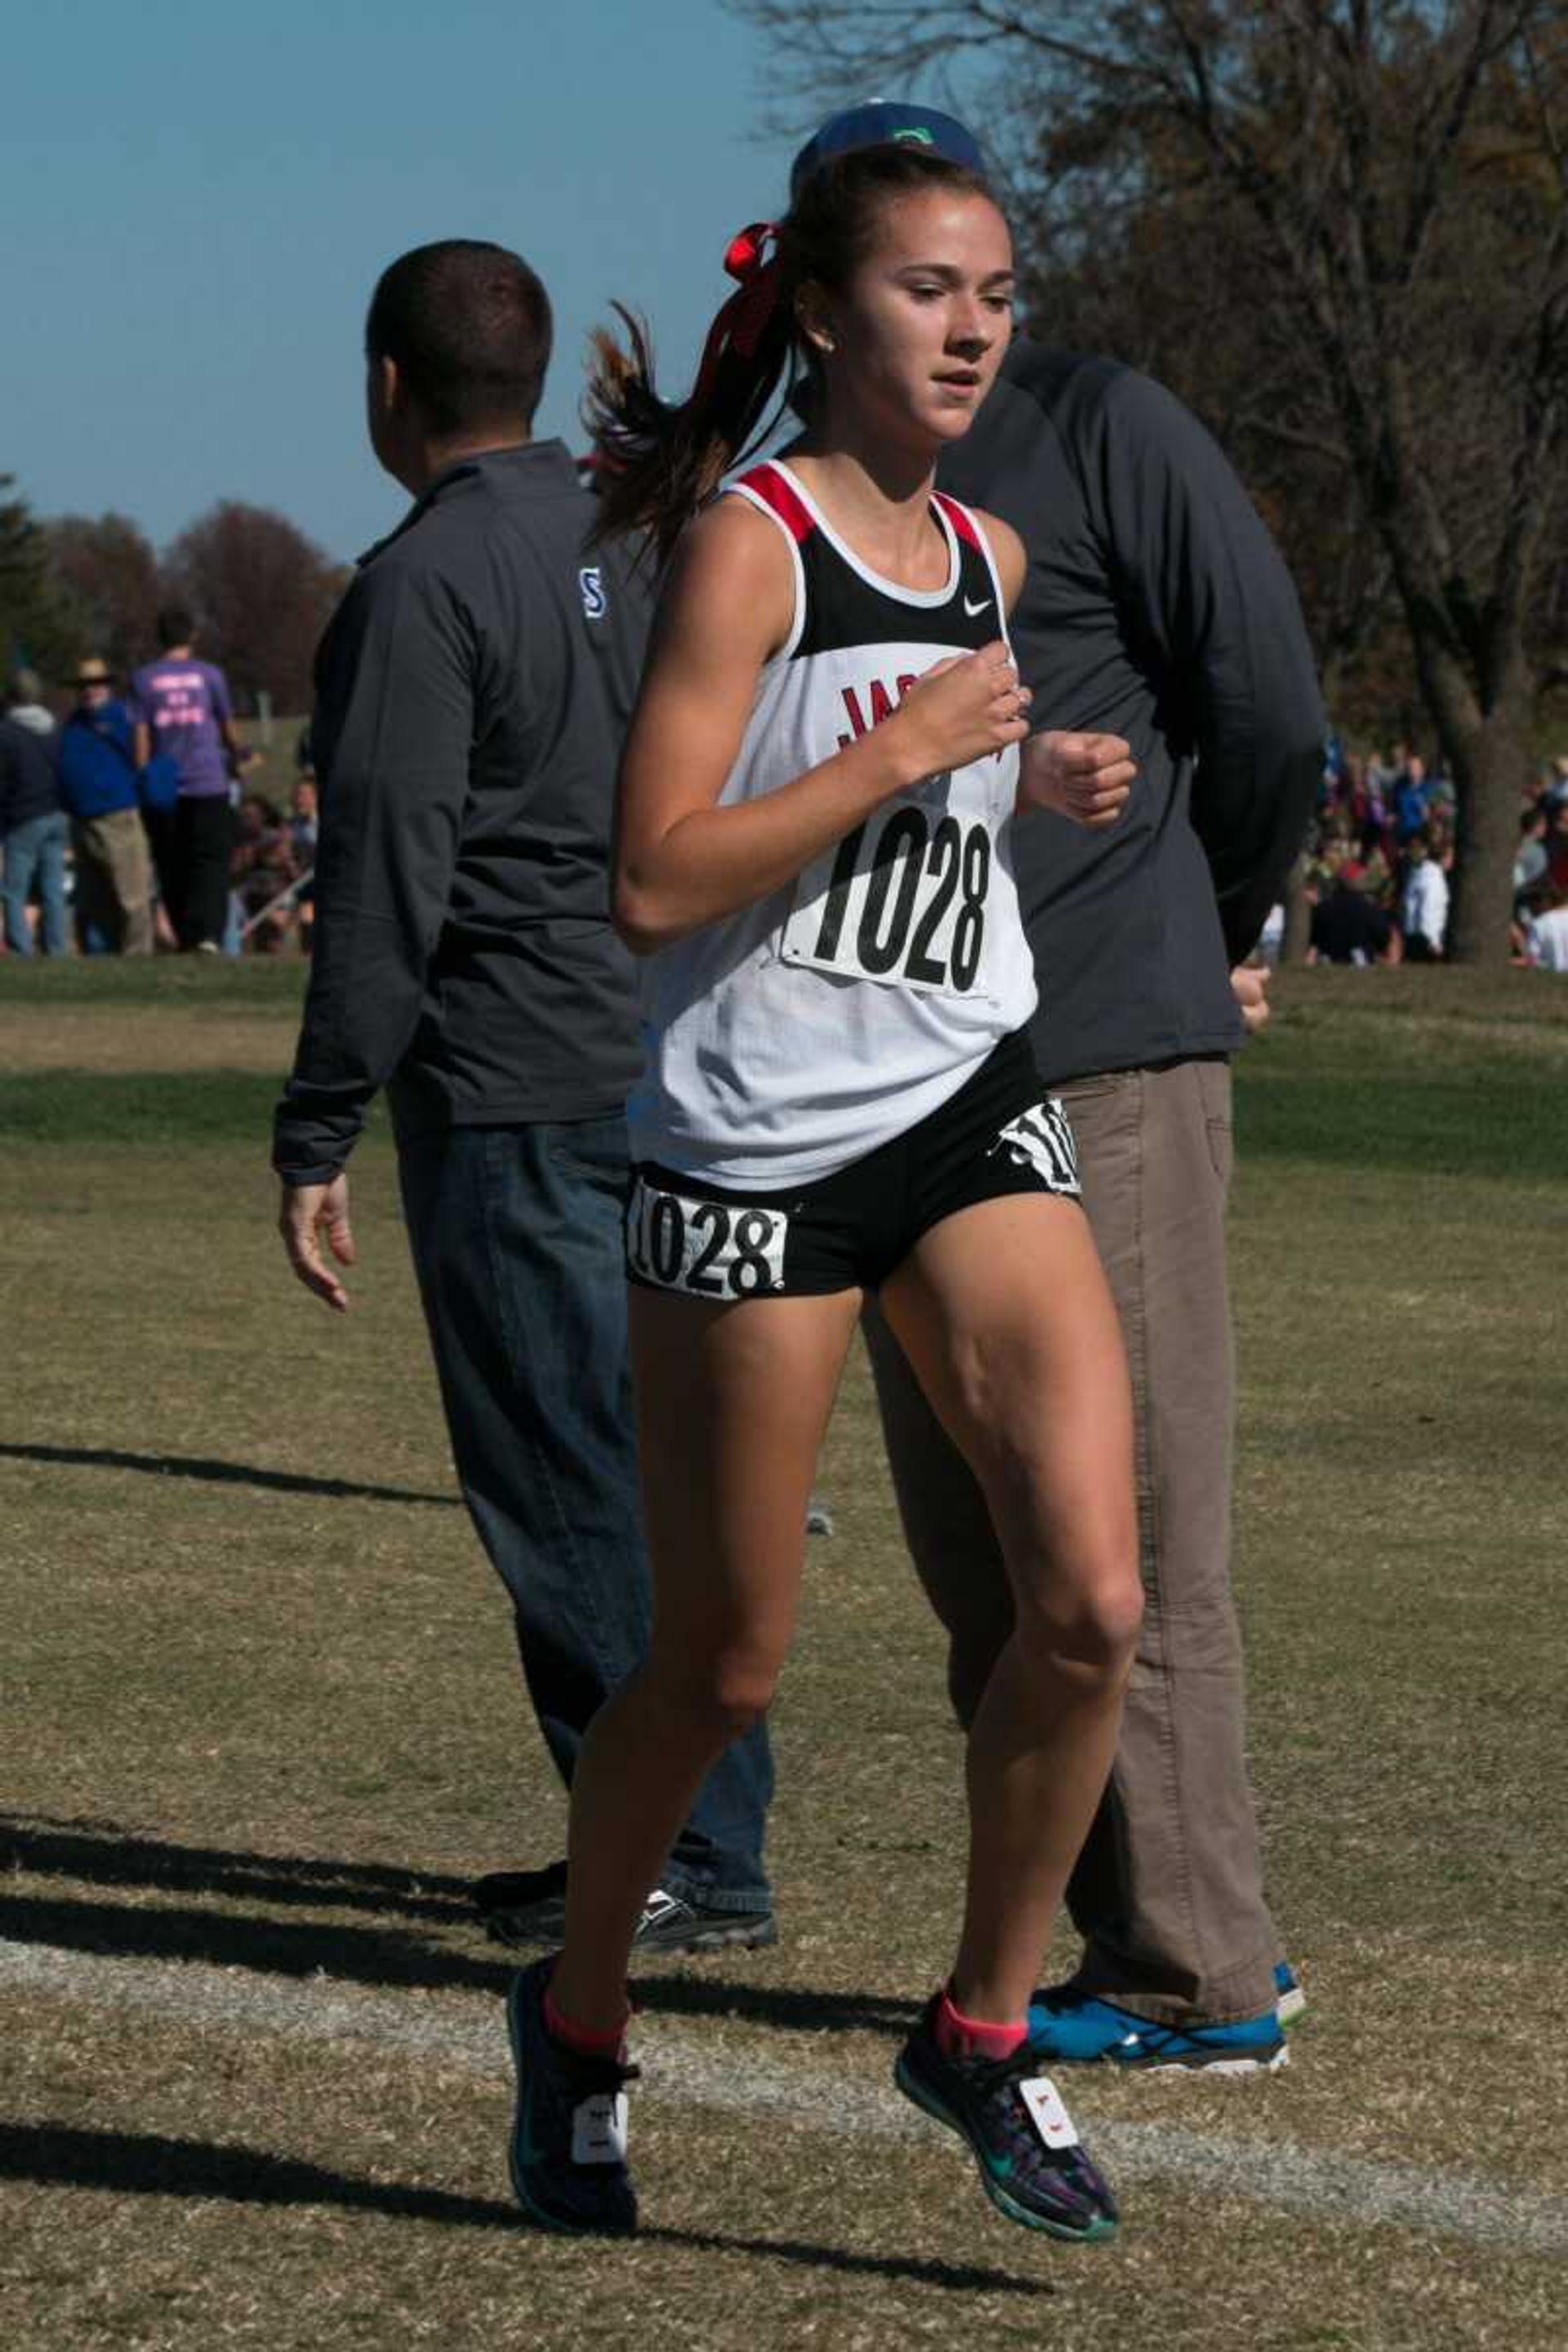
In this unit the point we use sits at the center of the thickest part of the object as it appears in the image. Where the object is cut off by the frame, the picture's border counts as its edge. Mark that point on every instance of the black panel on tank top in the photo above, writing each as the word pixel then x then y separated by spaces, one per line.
pixel 843 610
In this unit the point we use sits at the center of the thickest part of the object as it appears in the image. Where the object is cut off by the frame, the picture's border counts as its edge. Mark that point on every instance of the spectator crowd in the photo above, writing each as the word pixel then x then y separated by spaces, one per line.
pixel 124 821
pixel 1380 856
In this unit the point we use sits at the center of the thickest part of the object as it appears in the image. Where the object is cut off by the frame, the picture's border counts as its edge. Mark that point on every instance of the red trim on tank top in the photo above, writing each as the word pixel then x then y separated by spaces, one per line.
pixel 960 520
pixel 765 482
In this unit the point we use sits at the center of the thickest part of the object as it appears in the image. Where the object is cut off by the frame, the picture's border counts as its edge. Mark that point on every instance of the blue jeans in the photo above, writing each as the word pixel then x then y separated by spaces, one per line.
pixel 36 851
pixel 516 1234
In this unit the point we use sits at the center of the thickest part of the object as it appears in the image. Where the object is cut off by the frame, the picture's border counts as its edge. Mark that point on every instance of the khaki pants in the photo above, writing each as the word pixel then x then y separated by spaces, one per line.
pixel 114 880
pixel 1168 1893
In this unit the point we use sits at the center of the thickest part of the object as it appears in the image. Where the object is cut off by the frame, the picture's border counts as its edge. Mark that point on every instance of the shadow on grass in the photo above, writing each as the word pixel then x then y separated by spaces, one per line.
pixel 799 2010
pixel 347 1954
pixel 224 1939
pixel 105 1856
pixel 213 1472
pixel 146 2164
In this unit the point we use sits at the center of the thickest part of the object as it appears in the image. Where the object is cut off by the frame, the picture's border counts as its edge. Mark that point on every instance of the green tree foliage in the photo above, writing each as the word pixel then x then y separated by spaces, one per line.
pixel 39 625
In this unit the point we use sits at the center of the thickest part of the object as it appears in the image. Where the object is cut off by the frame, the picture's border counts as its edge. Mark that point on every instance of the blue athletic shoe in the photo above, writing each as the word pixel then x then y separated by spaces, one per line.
pixel 568 2148
pixel 1066 2029
pixel 1033 2166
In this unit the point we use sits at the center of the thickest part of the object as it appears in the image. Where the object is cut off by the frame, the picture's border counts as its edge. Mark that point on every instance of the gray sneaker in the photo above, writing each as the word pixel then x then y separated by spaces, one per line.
pixel 523 1907
pixel 670 1924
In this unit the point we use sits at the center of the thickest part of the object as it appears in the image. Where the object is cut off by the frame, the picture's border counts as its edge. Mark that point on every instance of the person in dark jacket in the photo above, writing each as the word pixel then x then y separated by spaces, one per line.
pixel 1155 608
pixel 33 827
pixel 98 785
pixel 1349 928
pixel 471 692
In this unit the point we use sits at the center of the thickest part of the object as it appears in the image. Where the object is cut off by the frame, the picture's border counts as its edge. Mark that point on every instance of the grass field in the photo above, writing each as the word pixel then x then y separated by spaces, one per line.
pixel 261 1724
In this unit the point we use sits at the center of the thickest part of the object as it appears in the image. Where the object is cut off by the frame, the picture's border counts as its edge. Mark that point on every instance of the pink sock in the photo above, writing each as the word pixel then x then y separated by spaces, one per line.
pixel 958 2036
pixel 586 2044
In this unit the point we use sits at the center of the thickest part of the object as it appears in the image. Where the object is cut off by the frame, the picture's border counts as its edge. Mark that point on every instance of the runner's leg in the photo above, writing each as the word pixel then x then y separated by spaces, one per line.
pixel 1167 1892
pixel 731 1404
pixel 945 1522
pixel 1003 1311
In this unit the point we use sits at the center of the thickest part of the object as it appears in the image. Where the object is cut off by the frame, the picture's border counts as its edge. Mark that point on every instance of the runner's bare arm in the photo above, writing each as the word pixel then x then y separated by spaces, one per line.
pixel 681 860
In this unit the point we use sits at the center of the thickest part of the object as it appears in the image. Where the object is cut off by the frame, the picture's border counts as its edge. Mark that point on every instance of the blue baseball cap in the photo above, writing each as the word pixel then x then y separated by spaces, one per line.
pixel 883 123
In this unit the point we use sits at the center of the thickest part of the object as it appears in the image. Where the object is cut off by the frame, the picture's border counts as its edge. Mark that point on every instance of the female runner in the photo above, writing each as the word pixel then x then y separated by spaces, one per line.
pixel 813 855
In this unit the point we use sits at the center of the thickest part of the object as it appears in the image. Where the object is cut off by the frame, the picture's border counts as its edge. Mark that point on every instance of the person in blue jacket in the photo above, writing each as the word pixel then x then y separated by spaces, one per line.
pixel 99 786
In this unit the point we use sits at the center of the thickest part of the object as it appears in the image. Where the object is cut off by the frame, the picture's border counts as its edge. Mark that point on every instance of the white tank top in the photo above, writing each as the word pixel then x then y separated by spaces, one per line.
pixel 796 1035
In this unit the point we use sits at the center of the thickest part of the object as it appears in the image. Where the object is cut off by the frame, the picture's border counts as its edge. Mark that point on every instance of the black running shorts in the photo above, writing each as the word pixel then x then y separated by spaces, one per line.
pixel 1000 1134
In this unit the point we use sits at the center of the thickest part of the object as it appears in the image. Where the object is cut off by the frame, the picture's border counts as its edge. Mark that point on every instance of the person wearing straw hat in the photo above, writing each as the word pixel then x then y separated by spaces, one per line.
pixel 100 787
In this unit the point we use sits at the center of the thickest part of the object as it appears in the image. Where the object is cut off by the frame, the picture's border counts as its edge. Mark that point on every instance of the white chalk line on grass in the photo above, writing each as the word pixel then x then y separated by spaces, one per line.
pixel 1323 2184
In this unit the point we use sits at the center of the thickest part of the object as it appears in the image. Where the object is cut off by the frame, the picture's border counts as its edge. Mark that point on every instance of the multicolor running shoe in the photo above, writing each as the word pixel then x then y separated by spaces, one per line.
pixel 1033 2166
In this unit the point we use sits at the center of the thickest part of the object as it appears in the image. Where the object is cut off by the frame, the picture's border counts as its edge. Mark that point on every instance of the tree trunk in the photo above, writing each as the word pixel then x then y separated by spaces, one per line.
pixel 1298 915
pixel 1490 778
pixel 1486 750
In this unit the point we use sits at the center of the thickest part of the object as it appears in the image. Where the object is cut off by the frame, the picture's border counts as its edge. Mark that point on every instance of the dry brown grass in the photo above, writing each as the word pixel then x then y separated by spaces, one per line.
pixel 257 1675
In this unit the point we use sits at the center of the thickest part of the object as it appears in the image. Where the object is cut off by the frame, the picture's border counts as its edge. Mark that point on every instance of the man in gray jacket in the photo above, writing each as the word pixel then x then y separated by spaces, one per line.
pixel 1155 608
pixel 471 692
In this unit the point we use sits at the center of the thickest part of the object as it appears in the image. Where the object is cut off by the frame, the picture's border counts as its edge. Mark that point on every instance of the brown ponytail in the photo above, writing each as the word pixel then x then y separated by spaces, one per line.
pixel 659 462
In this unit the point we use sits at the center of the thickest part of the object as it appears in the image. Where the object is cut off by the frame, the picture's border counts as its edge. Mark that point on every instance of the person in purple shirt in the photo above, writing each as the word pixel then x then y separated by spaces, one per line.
pixel 182 709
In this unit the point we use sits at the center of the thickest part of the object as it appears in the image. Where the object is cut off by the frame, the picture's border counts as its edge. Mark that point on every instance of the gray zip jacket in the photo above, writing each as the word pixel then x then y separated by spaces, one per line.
pixel 472 691
pixel 1155 607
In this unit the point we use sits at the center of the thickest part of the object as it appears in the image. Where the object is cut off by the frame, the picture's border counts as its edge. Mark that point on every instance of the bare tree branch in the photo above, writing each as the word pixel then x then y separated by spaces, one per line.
pixel 1285 436
pixel 1496 29
pixel 1340 228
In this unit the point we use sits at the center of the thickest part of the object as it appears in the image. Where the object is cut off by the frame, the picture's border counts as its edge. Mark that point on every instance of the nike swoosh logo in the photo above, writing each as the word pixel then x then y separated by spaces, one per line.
pixel 972 609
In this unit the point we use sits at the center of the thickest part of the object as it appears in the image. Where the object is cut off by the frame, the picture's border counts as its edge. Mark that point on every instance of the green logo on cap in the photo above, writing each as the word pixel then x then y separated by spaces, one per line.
pixel 923 137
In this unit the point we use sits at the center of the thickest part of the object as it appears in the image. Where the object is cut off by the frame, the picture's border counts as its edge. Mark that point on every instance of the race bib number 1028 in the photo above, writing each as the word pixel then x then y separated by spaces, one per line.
pixel 901 899
pixel 709 1249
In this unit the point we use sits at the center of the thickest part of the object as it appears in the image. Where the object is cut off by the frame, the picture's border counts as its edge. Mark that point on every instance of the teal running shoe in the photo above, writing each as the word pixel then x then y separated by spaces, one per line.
pixel 568 2146
pixel 1067 2028
pixel 1033 2166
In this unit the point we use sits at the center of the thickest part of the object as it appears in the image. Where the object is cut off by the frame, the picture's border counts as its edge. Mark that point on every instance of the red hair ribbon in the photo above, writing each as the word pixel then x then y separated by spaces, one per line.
pixel 752 259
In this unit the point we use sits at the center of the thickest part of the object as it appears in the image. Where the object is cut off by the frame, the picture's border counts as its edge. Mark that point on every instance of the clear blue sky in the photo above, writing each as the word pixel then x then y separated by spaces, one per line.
pixel 197 199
